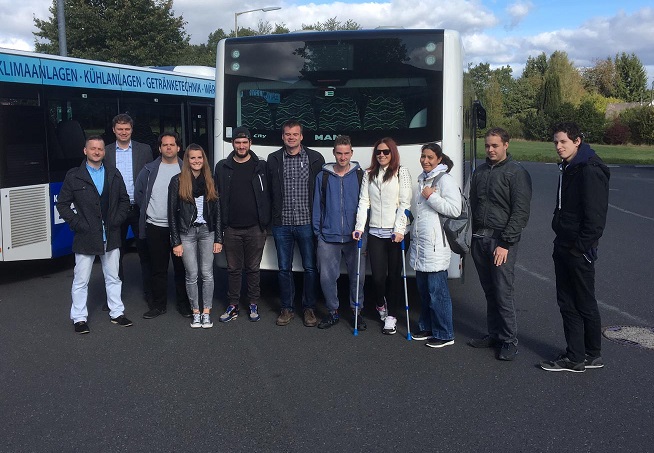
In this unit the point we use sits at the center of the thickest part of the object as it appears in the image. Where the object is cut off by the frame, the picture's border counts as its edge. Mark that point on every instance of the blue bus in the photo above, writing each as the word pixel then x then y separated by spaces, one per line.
pixel 49 104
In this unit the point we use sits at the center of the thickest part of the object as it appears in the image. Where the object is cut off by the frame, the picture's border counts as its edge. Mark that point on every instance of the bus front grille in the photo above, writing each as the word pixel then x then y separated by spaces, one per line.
pixel 29 215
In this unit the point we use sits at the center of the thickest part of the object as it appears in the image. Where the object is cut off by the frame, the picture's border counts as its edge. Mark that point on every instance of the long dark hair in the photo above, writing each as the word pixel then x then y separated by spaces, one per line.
pixel 392 166
pixel 186 177
pixel 436 148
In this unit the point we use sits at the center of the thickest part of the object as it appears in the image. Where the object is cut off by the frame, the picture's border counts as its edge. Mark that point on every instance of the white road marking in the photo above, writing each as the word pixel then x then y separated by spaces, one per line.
pixel 603 305
pixel 632 213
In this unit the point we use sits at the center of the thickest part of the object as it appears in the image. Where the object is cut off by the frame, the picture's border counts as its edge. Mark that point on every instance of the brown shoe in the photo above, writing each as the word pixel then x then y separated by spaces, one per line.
pixel 310 319
pixel 285 317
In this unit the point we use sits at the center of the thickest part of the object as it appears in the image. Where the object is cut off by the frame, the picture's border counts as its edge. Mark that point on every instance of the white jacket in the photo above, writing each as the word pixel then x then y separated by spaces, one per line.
pixel 429 250
pixel 387 201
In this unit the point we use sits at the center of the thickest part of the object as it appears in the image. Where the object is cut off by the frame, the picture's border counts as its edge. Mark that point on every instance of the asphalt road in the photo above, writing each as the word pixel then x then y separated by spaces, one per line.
pixel 242 386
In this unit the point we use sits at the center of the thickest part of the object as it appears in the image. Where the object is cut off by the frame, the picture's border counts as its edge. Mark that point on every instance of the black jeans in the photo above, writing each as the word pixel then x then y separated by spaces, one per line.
pixel 575 293
pixel 497 283
pixel 158 240
pixel 142 249
pixel 243 251
pixel 386 267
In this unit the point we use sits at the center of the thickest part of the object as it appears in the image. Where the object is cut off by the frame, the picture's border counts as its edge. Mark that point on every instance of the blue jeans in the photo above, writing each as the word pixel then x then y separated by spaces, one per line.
pixel 286 236
pixel 436 313
pixel 197 255
pixel 497 283
pixel 329 264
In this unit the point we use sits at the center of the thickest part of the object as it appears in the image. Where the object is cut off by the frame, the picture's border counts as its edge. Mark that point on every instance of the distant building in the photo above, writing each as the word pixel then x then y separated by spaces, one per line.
pixel 613 110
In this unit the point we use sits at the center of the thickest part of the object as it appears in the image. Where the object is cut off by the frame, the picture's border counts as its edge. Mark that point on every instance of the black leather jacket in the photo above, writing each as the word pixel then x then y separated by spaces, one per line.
pixel 500 198
pixel 182 215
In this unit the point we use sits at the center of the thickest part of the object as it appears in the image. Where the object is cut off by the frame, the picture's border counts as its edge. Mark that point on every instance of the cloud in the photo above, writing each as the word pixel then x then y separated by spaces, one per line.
pixel 517 12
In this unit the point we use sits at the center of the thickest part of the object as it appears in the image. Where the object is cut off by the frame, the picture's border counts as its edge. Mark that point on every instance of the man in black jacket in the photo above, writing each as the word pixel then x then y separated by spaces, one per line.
pixel 94 202
pixel 245 212
pixel 292 172
pixel 129 157
pixel 579 220
pixel 500 197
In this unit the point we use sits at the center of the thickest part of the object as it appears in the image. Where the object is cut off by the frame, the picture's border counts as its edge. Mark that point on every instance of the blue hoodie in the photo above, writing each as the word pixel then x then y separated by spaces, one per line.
pixel 341 200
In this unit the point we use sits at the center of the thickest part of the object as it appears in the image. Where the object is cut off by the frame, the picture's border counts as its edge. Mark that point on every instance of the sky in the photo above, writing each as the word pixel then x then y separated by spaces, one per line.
pixel 498 32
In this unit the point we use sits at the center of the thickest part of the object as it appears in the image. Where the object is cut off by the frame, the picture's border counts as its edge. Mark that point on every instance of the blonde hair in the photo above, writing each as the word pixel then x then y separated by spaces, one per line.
pixel 186 177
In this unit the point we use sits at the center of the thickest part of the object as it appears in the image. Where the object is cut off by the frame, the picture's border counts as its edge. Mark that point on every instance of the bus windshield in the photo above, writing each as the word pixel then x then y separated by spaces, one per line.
pixel 359 84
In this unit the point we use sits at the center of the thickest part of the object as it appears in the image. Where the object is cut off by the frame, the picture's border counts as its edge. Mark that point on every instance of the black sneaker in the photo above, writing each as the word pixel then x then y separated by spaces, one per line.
pixel 485 342
pixel 328 321
pixel 361 323
pixel 81 327
pixel 593 362
pixel 508 351
pixel 105 307
pixel 185 311
pixel 422 335
pixel 153 313
pixel 121 321
pixel 563 363
pixel 436 343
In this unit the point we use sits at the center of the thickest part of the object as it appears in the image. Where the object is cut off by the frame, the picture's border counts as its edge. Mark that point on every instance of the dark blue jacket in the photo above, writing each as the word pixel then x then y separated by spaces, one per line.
pixel 582 201
pixel 86 218
pixel 335 221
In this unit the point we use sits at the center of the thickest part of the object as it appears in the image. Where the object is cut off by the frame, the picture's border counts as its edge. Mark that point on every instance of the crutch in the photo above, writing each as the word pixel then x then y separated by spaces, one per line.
pixel 356 299
pixel 406 291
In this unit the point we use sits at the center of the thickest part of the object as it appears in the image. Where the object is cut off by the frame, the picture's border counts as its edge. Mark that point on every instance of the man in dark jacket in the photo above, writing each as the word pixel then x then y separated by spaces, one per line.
pixel 245 211
pixel 94 202
pixel 292 172
pixel 129 157
pixel 500 195
pixel 579 220
pixel 151 195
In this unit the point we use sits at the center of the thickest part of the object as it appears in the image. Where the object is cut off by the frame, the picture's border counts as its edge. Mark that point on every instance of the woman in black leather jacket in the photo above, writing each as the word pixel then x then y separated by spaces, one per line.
pixel 195 232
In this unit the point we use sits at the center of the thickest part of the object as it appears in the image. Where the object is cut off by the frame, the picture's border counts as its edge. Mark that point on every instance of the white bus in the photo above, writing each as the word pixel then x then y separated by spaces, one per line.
pixel 368 84
pixel 49 104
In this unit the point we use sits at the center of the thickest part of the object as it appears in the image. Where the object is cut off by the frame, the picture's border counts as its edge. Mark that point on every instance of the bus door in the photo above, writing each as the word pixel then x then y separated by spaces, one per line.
pixel 201 127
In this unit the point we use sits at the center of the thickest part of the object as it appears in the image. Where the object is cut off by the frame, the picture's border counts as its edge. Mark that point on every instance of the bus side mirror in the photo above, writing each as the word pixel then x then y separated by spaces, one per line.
pixel 479 113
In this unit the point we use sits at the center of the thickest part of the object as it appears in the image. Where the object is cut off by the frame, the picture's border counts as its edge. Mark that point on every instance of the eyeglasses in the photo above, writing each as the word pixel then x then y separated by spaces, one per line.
pixel 385 151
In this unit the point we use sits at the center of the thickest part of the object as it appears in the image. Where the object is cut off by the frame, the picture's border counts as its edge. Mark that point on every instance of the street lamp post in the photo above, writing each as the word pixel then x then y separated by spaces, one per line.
pixel 265 10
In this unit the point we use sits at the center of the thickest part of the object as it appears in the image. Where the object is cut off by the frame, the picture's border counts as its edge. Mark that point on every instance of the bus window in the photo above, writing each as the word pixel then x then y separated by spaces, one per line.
pixel 22 137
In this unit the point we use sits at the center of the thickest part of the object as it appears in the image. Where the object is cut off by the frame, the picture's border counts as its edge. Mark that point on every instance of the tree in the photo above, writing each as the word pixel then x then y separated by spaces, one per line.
pixel 535 66
pixel 136 32
pixel 550 98
pixel 572 87
pixel 601 78
pixel 332 24
pixel 480 77
pixel 631 77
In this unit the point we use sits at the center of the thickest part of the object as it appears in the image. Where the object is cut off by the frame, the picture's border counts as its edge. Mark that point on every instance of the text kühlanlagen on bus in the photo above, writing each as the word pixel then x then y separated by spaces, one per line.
pixel 26 70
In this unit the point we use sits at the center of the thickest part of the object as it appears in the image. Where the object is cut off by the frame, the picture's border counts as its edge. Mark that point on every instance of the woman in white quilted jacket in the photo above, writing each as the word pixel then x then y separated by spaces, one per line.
pixel 438 196
pixel 385 196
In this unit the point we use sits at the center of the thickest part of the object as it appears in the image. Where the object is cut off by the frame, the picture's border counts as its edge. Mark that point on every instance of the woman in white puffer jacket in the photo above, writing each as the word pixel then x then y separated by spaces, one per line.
pixel 384 197
pixel 438 195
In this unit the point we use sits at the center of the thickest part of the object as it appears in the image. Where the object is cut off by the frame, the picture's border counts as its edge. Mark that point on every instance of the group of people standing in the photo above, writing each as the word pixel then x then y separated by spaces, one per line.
pixel 333 212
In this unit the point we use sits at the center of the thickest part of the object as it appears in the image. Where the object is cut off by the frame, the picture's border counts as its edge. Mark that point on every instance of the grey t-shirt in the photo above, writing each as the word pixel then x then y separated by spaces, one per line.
pixel 157 211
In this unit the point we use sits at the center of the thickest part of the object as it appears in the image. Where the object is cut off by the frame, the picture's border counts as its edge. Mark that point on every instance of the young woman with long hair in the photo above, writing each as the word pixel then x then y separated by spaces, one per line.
pixel 195 231
pixel 384 197
pixel 438 195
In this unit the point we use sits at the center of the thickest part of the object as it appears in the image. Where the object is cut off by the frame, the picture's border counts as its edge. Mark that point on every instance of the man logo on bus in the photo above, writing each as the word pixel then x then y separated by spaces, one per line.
pixel 326 137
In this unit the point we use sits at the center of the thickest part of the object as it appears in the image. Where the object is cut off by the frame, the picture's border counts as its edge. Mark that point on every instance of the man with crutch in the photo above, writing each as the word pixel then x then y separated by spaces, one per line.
pixel 336 197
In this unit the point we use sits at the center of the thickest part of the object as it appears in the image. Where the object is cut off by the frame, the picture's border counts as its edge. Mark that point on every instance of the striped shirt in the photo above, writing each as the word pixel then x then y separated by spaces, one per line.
pixel 295 199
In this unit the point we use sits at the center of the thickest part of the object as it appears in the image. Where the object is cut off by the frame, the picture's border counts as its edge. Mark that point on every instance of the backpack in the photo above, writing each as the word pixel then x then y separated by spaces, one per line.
pixel 457 229
pixel 323 192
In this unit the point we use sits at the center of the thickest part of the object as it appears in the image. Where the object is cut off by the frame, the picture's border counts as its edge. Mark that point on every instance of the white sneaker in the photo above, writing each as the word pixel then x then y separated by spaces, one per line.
pixel 206 321
pixel 389 325
pixel 196 321
pixel 383 312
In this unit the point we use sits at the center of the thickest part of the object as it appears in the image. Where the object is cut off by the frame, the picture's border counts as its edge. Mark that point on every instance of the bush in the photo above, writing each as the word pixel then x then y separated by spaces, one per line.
pixel 617 133
pixel 641 124
pixel 536 126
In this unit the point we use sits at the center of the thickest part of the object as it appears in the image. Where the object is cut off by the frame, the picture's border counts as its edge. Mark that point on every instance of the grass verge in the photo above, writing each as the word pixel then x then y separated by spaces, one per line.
pixel 528 151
